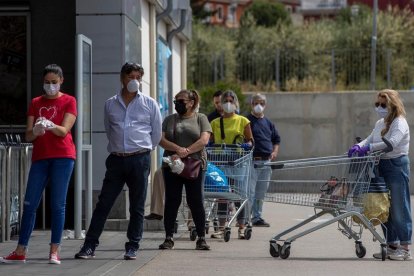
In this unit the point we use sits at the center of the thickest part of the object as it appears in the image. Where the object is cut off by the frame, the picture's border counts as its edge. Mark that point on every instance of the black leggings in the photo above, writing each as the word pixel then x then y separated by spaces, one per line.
pixel 173 196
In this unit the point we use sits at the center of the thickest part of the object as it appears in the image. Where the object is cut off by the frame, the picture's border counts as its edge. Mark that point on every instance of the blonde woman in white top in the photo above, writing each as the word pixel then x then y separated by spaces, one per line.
pixel 394 167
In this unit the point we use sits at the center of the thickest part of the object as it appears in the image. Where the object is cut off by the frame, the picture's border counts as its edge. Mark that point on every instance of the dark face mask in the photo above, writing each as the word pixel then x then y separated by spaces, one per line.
pixel 180 108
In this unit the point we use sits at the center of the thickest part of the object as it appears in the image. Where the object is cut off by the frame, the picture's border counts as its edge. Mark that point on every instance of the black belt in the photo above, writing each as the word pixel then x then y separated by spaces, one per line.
pixel 261 158
pixel 126 154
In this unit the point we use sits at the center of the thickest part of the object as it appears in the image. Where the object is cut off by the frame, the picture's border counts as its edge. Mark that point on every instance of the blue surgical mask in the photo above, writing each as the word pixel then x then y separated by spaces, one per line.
pixel 382 112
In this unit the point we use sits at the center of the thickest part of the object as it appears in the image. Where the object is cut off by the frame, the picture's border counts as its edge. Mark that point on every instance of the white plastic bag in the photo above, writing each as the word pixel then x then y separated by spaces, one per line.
pixel 175 163
pixel 47 124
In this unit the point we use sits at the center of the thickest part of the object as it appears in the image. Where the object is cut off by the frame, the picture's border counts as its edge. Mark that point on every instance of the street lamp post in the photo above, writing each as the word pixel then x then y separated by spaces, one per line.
pixel 374 44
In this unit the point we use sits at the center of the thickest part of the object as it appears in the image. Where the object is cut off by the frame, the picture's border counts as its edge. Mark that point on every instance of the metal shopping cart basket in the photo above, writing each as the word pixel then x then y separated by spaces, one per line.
pixel 226 201
pixel 331 185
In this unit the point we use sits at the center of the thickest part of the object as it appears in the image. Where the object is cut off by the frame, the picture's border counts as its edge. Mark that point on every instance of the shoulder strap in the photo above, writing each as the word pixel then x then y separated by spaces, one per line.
pixel 174 126
pixel 222 128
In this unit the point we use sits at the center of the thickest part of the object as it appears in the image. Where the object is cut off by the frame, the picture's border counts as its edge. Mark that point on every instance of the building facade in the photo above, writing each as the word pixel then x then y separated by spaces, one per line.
pixel 226 13
pixel 35 33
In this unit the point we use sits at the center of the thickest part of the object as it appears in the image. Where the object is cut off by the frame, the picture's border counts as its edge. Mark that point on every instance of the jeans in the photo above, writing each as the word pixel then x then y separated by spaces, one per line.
pixel 258 184
pixel 58 171
pixel 396 173
pixel 173 195
pixel 134 171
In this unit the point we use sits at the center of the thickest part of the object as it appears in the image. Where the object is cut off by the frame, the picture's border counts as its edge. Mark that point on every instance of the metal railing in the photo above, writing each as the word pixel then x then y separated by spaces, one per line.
pixel 294 70
pixel 15 161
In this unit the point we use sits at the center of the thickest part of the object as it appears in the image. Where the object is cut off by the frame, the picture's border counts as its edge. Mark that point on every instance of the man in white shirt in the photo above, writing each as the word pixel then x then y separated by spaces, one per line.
pixel 133 127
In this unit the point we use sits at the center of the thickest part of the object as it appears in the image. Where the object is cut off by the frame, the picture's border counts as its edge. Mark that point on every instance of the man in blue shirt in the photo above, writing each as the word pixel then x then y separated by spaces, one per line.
pixel 133 127
pixel 267 140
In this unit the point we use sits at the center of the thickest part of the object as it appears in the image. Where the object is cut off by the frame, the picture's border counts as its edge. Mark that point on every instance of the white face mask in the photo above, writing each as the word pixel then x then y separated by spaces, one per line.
pixel 229 107
pixel 258 109
pixel 133 86
pixel 51 89
pixel 382 112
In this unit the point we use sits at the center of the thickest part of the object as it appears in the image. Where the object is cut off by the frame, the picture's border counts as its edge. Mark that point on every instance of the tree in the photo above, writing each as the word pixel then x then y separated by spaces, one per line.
pixel 267 13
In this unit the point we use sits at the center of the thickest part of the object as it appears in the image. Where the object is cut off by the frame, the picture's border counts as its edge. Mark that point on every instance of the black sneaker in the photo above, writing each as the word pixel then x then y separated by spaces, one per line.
pixel 131 250
pixel 153 216
pixel 87 251
pixel 201 244
pixel 130 254
pixel 261 223
pixel 167 244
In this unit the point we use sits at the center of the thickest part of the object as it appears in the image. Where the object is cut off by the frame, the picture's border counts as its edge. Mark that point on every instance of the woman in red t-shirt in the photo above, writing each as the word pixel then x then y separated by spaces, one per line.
pixel 49 121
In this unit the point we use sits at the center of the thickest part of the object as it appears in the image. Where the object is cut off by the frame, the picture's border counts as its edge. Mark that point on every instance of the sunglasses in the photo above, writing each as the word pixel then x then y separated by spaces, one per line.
pixel 383 105
pixel 180 101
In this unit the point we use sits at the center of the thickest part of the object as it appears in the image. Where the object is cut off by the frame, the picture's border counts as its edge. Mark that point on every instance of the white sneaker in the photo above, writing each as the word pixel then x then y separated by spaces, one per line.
pixel 401 255
pixel 217 235
pixel 54 258
pixel 390 251
pixel 241 234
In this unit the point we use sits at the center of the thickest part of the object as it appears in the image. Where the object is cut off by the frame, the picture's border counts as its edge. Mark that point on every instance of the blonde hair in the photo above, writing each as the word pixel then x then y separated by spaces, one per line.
pixel 395 107
pixel 230 93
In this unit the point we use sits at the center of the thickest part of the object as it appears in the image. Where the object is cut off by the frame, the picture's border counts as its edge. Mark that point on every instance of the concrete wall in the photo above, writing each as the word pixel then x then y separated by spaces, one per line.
pixel 100 20
pixel 326 124
pixel 121 22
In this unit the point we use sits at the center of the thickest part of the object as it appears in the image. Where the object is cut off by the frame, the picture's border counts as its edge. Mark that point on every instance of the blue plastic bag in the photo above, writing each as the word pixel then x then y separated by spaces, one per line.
pixel 215 180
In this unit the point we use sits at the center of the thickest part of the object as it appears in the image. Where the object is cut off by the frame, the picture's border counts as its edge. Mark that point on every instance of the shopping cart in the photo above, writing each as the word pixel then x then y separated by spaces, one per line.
pixel 331 185
pixel 185 219
pixel 235 164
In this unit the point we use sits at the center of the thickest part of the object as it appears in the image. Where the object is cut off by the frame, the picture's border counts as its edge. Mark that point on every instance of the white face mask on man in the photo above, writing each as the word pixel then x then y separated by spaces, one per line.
pixel 229 107
pixel 51 89
pixel 258 109
pixel 133 86
pixel 382 112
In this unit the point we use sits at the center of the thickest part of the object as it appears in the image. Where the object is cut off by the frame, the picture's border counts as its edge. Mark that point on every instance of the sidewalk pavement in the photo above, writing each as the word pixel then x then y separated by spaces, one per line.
pixel 323 252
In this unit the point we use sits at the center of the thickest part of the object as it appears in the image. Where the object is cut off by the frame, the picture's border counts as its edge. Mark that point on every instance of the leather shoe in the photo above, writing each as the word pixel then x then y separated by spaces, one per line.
pixel 153 216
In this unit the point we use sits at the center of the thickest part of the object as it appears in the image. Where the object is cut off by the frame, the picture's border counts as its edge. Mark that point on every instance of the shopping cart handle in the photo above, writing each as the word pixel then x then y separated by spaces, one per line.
pixel 273 166
pixel 230 146
pixel 389 147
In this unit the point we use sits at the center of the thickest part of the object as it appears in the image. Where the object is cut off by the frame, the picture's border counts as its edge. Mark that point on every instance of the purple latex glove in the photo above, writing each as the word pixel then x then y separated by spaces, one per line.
pixel 363 151
pixel 354 149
